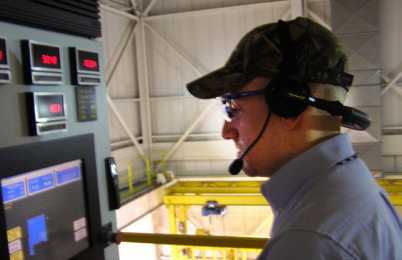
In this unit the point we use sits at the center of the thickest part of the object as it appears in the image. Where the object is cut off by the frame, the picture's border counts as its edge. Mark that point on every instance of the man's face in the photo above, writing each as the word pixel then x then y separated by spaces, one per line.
pixel 243 129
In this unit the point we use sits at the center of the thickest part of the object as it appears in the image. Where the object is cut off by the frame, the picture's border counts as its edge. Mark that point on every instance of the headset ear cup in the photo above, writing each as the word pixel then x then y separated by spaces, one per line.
pixel 279 102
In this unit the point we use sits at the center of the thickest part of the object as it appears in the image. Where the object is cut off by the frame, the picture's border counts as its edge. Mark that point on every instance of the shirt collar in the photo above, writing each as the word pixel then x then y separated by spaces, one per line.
pixel 290 177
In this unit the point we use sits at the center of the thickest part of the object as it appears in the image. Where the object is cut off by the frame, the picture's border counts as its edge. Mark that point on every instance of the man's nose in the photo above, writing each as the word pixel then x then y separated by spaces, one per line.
pixel 228 131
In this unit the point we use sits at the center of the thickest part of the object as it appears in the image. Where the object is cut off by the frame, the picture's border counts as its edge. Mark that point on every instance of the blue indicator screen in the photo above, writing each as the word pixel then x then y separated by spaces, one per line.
pixel 13 191
pixel 37 232
pixel 68 175
pixel 40 183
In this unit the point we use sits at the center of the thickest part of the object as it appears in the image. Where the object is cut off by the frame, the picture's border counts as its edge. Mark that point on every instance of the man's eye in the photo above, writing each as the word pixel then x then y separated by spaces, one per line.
pixel 232 112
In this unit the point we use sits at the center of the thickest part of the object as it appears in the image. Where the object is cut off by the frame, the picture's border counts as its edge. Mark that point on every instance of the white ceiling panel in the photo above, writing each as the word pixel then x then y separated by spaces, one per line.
pixel 354 16
pixel 174 6
pixel 203 39
pixel 362 50
pixel 366 77
pixel 129 111
pixel 367 96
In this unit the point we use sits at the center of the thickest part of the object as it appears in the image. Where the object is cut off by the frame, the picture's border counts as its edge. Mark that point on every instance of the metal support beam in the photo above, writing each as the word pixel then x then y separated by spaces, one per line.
pixel 185 59
pixel 182 214
pixel 118 12
pixel 391 84
pixel 189 130
pixel 236 200
pixel 219 10
pixel 198 119
pixel 173 229
pixel 244 192
pixel 116 112
pixel 119 55
pixel 134 4
pixel 319 20
pixel 143 84
pixel 149 7
pixel 297 8
pixel 191 240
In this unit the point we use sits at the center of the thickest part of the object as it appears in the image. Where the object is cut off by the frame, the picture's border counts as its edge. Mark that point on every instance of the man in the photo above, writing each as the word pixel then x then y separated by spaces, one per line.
pixel 281 90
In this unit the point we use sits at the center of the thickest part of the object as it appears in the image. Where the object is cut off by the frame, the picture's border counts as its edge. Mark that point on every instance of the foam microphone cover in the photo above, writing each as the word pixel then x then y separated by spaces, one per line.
pixel 236 166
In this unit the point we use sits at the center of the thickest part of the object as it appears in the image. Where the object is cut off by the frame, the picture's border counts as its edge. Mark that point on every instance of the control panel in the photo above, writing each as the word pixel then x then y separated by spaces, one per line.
pixel 54 186
pixel 47 112
pixel 84 67
pixel 42 63
pixel 5 76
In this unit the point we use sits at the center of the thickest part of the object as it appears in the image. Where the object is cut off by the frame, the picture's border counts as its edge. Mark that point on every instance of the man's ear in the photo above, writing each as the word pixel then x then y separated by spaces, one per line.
pixel 292 122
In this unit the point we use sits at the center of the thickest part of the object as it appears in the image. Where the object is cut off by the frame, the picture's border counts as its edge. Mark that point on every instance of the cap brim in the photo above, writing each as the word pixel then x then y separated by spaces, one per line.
pixel 216 83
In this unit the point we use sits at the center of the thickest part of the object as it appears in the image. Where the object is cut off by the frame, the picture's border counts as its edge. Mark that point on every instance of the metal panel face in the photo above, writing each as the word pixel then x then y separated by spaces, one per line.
pixel 14 129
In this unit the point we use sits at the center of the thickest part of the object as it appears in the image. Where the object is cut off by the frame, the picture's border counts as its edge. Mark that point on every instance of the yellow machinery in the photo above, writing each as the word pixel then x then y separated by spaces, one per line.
pixel 181 196
pixel 184 194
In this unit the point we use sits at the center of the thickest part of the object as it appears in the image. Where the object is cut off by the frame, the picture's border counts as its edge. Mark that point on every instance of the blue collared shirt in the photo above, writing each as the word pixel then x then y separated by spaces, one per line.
pixel 327 205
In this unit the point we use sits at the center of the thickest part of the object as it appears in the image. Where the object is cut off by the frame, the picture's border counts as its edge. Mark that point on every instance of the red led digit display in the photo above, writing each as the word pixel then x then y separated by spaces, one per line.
pixel 49 106
pixel 45 56
pixel 55 108
pixel 87 61
pixel 46 59
pixel 3 52
pixel 90 64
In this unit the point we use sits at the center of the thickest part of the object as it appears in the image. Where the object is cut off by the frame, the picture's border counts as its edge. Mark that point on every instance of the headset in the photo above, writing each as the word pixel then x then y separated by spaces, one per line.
pixel 288 95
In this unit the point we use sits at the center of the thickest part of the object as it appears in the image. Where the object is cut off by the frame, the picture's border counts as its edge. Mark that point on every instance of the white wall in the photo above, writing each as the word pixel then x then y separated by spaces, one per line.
pixel 181 45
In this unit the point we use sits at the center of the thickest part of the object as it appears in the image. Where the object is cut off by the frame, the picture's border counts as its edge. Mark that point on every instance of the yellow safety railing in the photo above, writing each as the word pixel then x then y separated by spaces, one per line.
pixel 148 171
pixel 218 253
pixel 200 247
pixel 179 197
pixel 185 194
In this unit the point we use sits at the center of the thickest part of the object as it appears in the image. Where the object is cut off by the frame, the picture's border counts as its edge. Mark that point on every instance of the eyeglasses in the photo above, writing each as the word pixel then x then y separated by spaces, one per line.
pixel 228 103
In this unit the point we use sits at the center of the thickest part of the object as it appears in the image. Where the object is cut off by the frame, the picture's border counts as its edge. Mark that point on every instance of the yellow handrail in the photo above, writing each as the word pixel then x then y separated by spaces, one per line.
pixel 148 171
pixel 194 240
pixel 185 246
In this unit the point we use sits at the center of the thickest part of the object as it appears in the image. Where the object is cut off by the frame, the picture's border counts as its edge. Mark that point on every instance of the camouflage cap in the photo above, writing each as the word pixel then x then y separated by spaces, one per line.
pixel 317 56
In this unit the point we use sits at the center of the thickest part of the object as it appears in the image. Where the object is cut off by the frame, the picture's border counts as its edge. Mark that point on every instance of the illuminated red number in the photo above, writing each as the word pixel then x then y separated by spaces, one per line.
pixel 53 59
pixel 1 55
pixel 55 108
pixel 46 59
pixel 90 64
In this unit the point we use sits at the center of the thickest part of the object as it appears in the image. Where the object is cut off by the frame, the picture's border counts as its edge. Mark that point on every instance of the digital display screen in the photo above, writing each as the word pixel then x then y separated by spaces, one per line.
pixel 13 191
pixel 40 183
pixel 3 52
pixel 87 61
pixel 45 212
pixel 67 175
pixel 44 56
pixel 49 106
pixel 86 103
pixel 37 232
